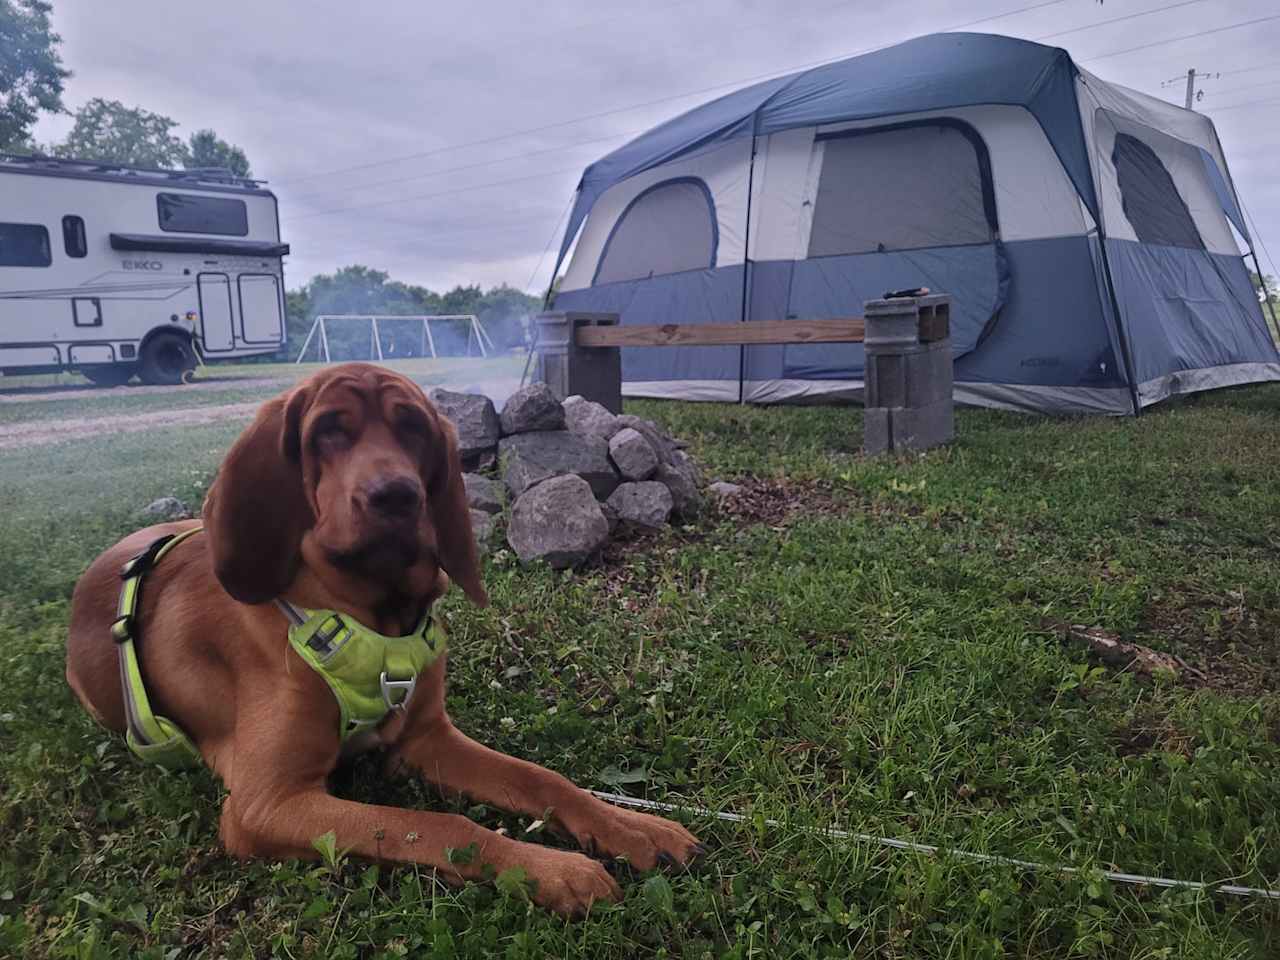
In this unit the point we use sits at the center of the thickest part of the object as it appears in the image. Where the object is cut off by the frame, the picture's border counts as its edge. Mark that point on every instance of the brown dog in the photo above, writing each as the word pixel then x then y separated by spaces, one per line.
pixel 344 494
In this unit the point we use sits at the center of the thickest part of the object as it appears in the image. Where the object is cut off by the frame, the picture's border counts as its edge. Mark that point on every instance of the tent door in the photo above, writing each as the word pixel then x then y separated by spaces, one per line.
pixel 894 207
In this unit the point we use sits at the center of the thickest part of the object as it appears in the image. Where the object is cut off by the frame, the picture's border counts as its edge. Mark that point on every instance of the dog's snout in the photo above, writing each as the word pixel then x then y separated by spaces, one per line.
pixel 398 497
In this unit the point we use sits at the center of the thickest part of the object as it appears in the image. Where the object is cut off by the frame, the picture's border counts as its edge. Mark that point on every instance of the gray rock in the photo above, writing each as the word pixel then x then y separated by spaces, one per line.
pixel 165 510
pixel 589 418
pixel 645 504
pixel 530 458
pixel 531 408
pixel 632 454
pixel 663 445
pixel 483 493
pixel 681 478
pixel 482 528
pixel 475 419
pixel 559 522
pixel 723 489
pixel 610 515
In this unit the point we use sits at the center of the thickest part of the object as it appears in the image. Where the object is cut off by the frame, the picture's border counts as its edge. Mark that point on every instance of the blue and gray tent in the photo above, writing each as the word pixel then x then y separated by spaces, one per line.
pixel 1084 231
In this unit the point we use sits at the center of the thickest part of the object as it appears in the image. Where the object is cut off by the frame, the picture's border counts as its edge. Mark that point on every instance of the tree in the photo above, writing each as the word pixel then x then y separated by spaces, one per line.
pixel 507 315
pixel 31 71
pixel 208 150
pixel 109 131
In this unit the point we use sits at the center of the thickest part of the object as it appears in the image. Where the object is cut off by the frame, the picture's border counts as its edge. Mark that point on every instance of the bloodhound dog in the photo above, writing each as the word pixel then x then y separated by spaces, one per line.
pixel 343 494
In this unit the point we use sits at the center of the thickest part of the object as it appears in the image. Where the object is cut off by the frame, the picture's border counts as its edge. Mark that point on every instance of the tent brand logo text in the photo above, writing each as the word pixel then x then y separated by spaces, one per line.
pixel 142 264
pixel 1042 362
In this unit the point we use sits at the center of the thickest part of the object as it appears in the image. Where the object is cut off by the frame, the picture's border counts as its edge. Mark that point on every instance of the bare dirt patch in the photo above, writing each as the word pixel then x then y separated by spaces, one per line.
pixel 775 502
pixel 18 435
pixel 85 392
pixel 1234 646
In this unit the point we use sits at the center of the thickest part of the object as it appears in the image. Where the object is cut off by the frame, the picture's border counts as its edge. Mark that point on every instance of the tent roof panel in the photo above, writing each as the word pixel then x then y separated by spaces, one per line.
pixel 940 70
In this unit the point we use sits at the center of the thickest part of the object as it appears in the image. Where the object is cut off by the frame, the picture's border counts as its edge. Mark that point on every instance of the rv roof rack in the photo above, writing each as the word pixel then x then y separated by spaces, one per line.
pixel 126 170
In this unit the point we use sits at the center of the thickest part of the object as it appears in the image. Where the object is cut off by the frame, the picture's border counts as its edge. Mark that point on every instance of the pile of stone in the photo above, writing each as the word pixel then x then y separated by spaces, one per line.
pixel 573 473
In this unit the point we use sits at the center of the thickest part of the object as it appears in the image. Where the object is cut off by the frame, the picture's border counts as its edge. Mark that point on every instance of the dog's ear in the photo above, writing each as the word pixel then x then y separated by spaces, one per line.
pixel 257 509
pixel 447 498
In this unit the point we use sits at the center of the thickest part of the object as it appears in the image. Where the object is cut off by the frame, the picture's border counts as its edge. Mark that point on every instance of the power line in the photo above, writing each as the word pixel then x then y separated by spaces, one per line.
pixel 647 103
pixel 1236 106
pixel 1252 86
pixel 1188 36
pixel 1131 16
pixel 467 166
pixel 1261 66
pixel 431 196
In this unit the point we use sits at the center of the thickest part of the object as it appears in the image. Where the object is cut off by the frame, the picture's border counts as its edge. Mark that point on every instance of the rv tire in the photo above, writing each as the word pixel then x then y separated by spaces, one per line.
pixel 109 374
pixel 167 358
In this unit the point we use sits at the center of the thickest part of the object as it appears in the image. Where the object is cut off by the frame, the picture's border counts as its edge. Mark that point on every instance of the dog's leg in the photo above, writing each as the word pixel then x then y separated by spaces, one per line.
pixel 444 756
pixel 273 823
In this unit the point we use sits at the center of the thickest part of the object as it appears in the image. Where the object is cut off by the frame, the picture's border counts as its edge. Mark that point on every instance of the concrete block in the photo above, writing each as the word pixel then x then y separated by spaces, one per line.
pixel 877 437
pixel 569 369
pixel 919 428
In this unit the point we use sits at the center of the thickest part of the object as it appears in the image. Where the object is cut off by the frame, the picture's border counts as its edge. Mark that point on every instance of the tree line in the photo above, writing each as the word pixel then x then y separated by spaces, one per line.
pixel 504 311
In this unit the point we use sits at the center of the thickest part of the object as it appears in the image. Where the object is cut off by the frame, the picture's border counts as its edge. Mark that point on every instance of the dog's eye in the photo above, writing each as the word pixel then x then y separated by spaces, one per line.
pixel 329 430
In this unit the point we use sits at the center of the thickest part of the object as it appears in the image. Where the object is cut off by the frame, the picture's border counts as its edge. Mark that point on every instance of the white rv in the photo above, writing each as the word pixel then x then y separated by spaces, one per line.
pixel 113 271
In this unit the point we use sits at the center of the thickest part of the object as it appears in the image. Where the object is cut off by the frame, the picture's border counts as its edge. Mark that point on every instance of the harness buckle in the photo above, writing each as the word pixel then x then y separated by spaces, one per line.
pixel 144 561
pixel 389 685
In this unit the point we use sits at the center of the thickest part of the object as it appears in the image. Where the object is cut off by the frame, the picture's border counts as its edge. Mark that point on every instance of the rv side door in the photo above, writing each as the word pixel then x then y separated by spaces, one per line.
pixel 215 312
pixel 261 312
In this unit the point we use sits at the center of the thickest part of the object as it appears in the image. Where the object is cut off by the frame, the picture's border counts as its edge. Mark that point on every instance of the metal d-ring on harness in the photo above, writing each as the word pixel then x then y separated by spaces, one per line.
pixel 369 674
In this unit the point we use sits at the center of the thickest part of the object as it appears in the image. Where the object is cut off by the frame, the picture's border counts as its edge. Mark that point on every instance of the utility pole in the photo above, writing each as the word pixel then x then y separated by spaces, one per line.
pixel 1194 96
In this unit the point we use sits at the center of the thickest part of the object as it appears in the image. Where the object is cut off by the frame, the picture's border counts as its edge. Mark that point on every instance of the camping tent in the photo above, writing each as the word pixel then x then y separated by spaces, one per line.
pixel 1084 231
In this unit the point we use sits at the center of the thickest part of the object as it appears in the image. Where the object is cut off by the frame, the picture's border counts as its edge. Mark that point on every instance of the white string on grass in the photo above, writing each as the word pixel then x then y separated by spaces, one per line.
pixel 1134 879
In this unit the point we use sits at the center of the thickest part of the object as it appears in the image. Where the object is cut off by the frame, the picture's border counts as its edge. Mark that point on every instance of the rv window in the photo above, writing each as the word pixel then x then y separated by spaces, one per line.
pixel 914 186
pixel 187 213
pixel 1150 198
pixel 668 228
pixel 24 245
pixel 73 238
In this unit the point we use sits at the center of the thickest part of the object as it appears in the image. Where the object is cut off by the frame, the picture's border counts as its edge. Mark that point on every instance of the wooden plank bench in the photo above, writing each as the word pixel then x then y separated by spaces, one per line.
pixel 908 368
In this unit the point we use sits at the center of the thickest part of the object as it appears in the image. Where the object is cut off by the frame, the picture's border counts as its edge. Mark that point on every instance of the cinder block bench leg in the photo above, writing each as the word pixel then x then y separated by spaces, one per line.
pixel 568 369
pixel 909 375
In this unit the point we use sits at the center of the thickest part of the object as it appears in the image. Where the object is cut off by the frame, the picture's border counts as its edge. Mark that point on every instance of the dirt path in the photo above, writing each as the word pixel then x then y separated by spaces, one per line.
pixel 16 435
pixel 41 394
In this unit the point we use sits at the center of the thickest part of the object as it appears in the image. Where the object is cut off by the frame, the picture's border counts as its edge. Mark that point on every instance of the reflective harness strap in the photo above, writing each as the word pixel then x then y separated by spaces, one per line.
pixel 151 737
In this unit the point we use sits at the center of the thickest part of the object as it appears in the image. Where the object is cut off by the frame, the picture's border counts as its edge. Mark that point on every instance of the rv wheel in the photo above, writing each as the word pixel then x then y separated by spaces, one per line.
pixel 109 375
pixel 166 359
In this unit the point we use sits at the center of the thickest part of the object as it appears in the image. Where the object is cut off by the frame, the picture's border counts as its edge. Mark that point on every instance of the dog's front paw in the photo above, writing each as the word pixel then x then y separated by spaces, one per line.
pixel 570 883
pixel 644 840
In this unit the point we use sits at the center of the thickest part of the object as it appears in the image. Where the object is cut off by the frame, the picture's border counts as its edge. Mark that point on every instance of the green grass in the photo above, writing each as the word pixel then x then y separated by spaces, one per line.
pixel 873 648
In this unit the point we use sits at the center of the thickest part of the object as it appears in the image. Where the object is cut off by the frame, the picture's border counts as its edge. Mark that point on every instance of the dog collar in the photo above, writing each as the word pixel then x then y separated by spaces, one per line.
pixel 370 674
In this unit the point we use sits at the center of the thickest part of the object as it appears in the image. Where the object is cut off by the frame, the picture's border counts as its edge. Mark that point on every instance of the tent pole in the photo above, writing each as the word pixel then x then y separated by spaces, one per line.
pixel 746 269
pixel 1126 354
pixel 1126 351
pixel 1266 294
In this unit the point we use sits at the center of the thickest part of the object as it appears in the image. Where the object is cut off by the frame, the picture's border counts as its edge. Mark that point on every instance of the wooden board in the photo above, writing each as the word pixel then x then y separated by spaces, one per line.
pixel 839 330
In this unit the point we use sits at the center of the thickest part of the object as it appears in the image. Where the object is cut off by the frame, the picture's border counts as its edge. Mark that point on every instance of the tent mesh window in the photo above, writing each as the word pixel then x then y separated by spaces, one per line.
pixel 1150 198
pixel 669 228
pixel 902 189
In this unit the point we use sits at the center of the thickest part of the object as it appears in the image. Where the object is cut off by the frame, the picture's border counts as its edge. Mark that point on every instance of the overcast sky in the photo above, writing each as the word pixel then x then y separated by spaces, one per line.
pixel 310 87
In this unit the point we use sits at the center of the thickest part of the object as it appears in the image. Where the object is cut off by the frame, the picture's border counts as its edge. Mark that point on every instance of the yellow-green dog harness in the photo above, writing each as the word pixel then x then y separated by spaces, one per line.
pixel 369 674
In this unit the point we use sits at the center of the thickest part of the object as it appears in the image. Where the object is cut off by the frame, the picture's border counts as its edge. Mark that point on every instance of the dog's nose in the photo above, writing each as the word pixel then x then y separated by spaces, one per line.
pixel 397 497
